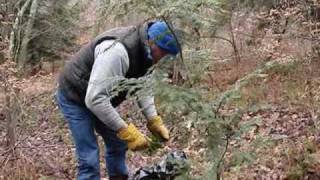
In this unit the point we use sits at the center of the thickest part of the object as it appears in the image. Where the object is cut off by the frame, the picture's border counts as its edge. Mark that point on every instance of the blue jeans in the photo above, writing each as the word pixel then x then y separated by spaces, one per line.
pixel 82 124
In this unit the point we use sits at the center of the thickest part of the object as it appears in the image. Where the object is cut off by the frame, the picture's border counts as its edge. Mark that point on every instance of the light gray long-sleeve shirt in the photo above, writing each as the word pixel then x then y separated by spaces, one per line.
pixel 109 67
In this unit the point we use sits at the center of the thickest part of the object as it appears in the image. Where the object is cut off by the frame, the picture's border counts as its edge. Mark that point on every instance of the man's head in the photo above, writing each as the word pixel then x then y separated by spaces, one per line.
pixel 161 41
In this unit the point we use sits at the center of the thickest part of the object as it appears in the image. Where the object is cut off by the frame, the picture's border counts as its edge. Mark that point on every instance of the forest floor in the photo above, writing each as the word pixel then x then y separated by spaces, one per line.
pixel 283 141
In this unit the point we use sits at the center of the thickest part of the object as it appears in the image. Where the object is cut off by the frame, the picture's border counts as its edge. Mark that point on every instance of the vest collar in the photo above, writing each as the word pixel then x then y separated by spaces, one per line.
pixel 143 28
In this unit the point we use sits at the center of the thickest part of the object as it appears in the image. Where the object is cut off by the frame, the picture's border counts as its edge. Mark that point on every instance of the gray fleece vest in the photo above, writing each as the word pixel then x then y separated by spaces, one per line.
pixel 74 78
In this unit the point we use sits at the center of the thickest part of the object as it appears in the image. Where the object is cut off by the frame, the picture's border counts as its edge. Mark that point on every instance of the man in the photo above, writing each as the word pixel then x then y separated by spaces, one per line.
pixel 84 94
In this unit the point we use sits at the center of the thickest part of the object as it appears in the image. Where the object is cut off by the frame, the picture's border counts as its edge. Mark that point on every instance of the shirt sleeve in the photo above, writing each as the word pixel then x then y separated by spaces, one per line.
pixel 110 66
pixel 146 103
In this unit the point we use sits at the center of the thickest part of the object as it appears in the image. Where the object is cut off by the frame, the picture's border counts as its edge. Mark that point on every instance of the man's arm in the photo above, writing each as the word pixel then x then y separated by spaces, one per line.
pixel 109 67
pixel 146 103
pixel 155 123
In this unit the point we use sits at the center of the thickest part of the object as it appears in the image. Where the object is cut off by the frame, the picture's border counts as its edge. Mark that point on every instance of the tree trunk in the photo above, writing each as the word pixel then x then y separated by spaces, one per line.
pixel 23 55
pixel 11 123
pixel 10 112
pixel 15 35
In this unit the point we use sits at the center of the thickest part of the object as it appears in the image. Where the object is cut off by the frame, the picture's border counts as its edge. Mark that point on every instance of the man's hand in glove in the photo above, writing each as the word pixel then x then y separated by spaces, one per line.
pixel 135 139
pixel 156 126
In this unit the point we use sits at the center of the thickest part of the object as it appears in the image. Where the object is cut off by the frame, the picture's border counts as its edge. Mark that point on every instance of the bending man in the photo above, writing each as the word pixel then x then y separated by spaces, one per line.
pixel 84 94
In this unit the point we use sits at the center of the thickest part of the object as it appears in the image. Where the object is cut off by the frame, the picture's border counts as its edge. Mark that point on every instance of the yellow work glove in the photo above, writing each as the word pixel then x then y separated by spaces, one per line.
pixel 135 139
pixel 156 126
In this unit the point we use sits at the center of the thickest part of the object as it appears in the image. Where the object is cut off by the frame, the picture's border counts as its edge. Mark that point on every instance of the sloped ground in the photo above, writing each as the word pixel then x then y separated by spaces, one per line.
pixel 283 145
pixel 283 141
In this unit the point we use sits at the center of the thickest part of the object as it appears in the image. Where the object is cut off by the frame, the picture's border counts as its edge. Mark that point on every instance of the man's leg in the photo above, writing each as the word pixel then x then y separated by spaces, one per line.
pixel 81 124
pixel 115 152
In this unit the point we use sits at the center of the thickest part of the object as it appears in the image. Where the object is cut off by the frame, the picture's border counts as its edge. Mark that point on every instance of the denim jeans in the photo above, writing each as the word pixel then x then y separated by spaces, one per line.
pixel 83 124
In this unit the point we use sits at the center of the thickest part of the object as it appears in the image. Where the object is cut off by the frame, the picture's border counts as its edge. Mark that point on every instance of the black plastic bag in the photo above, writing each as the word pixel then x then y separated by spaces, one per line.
pixel 173 165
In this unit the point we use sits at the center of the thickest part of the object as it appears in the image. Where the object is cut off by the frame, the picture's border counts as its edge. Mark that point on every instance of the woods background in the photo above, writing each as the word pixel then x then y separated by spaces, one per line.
pixel 243 103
